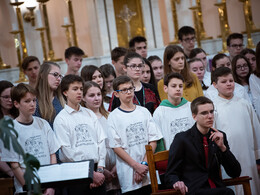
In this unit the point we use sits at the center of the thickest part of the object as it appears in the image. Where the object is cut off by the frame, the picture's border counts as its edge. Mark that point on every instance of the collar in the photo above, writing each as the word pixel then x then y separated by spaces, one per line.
pixel 167 103
pixel 71 110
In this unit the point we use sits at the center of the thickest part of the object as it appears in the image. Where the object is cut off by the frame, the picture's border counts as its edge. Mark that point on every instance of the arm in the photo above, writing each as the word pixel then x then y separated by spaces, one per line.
pixel 6 169
pixel 18 172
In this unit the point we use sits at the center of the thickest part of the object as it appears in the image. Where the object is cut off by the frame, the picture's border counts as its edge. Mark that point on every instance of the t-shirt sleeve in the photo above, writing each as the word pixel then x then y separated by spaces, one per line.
pixel 114 140
pixel 154 132
pixel 9 155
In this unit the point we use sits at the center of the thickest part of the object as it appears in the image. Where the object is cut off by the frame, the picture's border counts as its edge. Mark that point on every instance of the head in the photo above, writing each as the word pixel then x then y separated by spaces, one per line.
pixel 235 44
pixel 73 58
pixel 197 67
pixel 241 69
pixel 134 65
pixel 72 89
pixel 93 73
pixel 187 38
pixel 173 86
pixel 140 45
pixel 251 57
pixel 147 73
pixel 202 109
pixel 117 57
pixel 24 99
pixel 223 81
pixel 31 67
pixel 221 60
pixel 201 54
pixel 157 67
pixel 124 89
pixel 109 75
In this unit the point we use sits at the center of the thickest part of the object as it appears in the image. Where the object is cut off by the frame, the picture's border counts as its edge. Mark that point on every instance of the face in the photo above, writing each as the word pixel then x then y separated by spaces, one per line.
pixel 54 78
pixel 202 56
pixel 5 99
pixel 27 104
pixel 134 68
pixel 97 78
pixel 188 42
pixel 93 98
pixel 198 69
pixel 146 74
pixel 174 89
pixel 242 68
pixel 223 62
pixel 157 69
pixel 119 66
pixel 125 97
pixel 74 93
pixel 225 86
pixel 177 62
pixel 235 47
pixel 252 59
pixel 109 83
pixel 205 116
pixel 141 49
pixel 74 63
pixel 32 71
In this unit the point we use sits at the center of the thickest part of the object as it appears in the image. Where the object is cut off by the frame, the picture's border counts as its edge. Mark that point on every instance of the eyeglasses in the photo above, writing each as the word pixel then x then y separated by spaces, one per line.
pixel 56 75
pixel 244 66
pixel 6 97
pixel 135 66
pixel 187 40
pixel 236 46
pixel 125 91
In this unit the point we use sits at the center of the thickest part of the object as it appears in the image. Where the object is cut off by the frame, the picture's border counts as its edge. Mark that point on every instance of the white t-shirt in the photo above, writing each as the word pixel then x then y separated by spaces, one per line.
pixel 172 121
pixel 131 131
pixel 254 83
pixel 37 139
pixel 80 135
pixel 207 78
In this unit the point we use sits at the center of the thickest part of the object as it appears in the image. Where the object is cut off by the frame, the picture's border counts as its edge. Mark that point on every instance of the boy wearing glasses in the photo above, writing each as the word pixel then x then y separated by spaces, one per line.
pixel 234 44
pixel 187 38
pixel 237 118
pixel 145 94
pixel 131 127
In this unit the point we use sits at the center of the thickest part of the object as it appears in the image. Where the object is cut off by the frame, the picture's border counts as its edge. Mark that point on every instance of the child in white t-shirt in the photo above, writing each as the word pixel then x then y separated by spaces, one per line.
pixel 34 135
pixel 174 114
pixel 131 127
pixel 80 135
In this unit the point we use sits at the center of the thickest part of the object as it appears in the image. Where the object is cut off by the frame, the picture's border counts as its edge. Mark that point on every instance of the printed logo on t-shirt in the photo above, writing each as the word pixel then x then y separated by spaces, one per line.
pixel 82 135
pixel 34 146
pixel 136 134
pixel 178 125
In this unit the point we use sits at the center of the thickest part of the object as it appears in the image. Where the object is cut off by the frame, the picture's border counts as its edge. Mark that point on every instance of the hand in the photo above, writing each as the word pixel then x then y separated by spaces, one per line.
pixel 108 175
pixel 49 191
pixel 142 170
pixel 113 171
pixel 98 179
pixel 138 178
pixel 217 137
pixel 179 185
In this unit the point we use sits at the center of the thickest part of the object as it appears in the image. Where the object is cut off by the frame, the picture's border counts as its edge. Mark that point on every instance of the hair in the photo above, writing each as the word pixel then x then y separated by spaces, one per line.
pixel 152 79
pixel 129 56
pixel 169 52
pixel 137 39
pixel 169 77
pixel 199 101
pixel 185 30
pixel 121 80
pixel 247 51
pixel 44 92
pixel 151 59
pixel 86 87
pixel 67 81
pixel 3 86
pixel 27 60
pixel 194 60
pixel 20 91
pixel 257 70
pixel 234 36
pixel 196 51
pixel 118 52
pixel 219 72
pixel 216 58
pixel 234 67
pixel 107 70
pixel 73 51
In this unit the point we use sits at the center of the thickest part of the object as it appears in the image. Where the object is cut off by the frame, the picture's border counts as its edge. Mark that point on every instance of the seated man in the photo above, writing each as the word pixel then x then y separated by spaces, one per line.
pixel 234 44
pixel 196 155
pixel 187 38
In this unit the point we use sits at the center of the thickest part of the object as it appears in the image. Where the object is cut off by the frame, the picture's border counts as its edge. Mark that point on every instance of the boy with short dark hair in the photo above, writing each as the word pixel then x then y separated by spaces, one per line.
pixel 187 38
pixel 31 67
pixel 139 44
pixel 34 135
pixel 80 135
pixel 237 118
pixel 173 115
pixel 131 127
pixel 234 44
pixel 117 57
pixel 73 58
